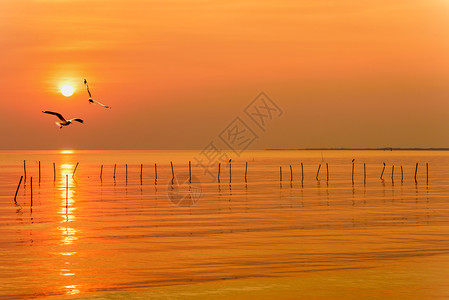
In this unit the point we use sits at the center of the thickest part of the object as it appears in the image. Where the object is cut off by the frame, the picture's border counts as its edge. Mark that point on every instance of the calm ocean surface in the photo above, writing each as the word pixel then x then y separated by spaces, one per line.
pixel 135 238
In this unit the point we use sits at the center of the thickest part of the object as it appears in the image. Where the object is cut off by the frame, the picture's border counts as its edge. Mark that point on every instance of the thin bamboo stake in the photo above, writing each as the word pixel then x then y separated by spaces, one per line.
pixel 353 170
pixel 15 196
pixel 382 174
pixel 126 173
pixel 230 169
pixel 427 173
pixel 416 171
pixel 39 171
pixel 190 171
pixel 318 171
pixel 115 167
pixel 219 166
pixel 155 172
pixel 402 175
pixel 24 171
pixel 172 172
pixel 101 173
pixel 392 173
pixel 246 170
pixel 280 173
pixel 73 175
pixel 141 171
pixel 66 191
pixel 54 172
pixel 302 172
pixel 291 173
pixel 327 172
pixel 364 173
pixel 31 184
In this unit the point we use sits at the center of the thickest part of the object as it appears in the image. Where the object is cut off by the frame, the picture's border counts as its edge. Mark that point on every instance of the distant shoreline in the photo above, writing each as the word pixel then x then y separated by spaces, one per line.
pixel 364 149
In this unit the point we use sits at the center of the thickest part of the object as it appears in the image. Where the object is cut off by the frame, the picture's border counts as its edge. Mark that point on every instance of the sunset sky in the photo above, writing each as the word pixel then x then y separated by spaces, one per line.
pixel 345 73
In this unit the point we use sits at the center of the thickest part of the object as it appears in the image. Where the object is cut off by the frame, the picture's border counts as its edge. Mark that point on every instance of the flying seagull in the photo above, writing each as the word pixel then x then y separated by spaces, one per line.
pixel 90 96
pixel 63 122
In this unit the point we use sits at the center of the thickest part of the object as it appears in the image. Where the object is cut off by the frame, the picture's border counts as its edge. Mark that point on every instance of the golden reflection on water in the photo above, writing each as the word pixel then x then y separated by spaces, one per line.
pixel 66 151
pixel 71 289
pixel 68 235
pixel 67 253
pixel 67 211
pixel 304 238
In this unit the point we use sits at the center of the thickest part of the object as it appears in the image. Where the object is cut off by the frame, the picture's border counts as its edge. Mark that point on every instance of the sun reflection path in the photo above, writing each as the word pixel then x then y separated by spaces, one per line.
pixel 66 151
pixel 67 211
pixel 71 289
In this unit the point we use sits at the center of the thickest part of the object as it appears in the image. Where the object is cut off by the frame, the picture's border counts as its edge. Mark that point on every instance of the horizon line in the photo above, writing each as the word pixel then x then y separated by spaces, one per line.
pixel 369 148
pixel 266 149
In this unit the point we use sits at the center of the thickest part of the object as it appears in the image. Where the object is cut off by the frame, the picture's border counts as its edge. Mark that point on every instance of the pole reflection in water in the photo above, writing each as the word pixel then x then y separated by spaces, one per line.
pixel 67 210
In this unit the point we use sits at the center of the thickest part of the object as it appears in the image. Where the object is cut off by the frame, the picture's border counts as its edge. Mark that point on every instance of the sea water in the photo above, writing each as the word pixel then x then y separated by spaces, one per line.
pixel 334 234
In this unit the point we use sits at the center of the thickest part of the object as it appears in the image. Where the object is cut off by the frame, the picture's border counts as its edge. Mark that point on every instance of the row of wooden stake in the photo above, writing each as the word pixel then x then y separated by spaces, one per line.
pixel 219 169
pixel 364 172
pixel 230 172
pixel 31 191
pixel 54 171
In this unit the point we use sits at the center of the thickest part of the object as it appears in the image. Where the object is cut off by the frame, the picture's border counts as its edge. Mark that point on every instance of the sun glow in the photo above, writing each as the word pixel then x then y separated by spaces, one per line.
pixel 67 90
pixel 66 151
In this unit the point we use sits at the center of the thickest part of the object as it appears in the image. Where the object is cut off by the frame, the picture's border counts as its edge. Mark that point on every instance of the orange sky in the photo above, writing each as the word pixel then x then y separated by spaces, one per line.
pixel 346 73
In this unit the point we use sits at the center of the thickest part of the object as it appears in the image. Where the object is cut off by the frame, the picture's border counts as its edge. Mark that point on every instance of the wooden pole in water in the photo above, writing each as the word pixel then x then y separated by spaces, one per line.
pixel 15 196
pixel 73 175
pixel 39 171
pixel 402 175
pixel 246 170
pixel 24 171
pixel 427 173
pixel 230 169
pixel 416 171
pixel 318 172
pixel 126 173
pixel 190 171
pixel 172 172
pixel 66 191
pixel 327 172
pixel 115 167
pixel 382 174
pixel 302 172
pixel 280 173
pixel 291 173
pixel 141 170
pixel 155 172
pixel 353 170
pixel 219 165
pixel 31 184
pixel 101 173
pixel 392 173
pixel 364 173
pixel 54 172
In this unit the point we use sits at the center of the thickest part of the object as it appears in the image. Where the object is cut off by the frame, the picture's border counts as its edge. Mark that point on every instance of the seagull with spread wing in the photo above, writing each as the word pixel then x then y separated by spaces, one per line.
pixel 63 122
pixel 90 96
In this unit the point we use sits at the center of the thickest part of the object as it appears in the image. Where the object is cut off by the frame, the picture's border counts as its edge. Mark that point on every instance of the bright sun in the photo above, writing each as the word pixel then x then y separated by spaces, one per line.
pixel 67 90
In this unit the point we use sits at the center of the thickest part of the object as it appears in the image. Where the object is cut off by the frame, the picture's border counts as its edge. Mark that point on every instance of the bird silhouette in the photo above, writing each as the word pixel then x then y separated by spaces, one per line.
pixel 63 122
pixel 92 101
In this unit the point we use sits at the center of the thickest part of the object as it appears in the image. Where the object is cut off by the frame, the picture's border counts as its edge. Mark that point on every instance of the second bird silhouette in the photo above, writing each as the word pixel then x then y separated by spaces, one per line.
pixel 92 101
